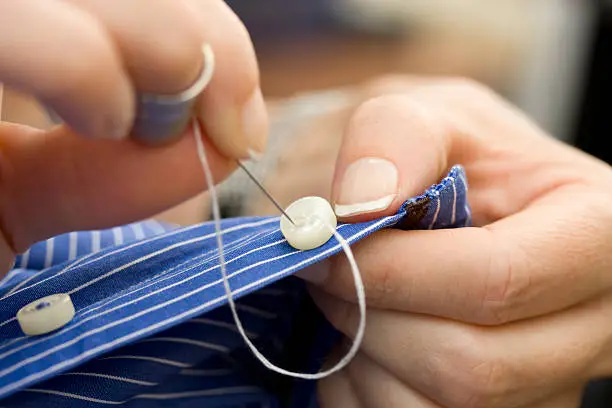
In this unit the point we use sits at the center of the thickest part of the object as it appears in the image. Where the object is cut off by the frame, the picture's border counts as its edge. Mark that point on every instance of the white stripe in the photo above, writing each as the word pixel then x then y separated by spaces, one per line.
pixel 466 208
pixel 468 219
pixel 256 312
pixel 224 325
pixel 435 216
pixel 95 241
pixel 137 230
pixel 117 236
pixel 206 373
pixel 200 393
pixel 144 258
pixel 454 213
pixel 141 259
pixel 72 245
pixel 142 312
pixel 149 294
pixel 139 243
pixel 66 269
pixel 12 341
pixel 113 377
pixel 25 258
pixel 73 396
pixel 144 331
pixel 50 245
pixel 135 300
pixel 17 289
pixel 13 273
pixel 202 344
pixel 129 302
pixel 165 275
pixel 156 227
pixel 185 394
pixel 152 359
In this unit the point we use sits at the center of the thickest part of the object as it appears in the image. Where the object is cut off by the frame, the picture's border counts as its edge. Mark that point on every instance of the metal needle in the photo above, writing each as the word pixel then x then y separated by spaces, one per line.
pixel 263 189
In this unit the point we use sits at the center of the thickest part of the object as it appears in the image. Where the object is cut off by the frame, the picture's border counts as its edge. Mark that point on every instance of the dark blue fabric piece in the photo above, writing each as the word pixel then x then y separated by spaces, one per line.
pixel 152 328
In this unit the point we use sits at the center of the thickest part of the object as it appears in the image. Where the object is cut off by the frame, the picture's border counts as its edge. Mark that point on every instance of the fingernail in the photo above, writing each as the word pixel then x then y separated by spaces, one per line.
pixel 255 124
pixel 317 273
pixel 368 185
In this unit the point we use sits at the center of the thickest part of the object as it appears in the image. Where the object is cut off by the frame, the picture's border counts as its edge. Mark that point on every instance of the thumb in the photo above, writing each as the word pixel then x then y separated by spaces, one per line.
pixel 394 148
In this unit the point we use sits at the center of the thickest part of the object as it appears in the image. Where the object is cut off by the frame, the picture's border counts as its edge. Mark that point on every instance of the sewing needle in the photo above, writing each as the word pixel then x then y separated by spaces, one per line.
pixel 263 190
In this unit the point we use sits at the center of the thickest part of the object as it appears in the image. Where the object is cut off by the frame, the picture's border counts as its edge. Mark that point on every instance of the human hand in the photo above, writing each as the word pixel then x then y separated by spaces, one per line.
pixel 86 59
pixel 514 312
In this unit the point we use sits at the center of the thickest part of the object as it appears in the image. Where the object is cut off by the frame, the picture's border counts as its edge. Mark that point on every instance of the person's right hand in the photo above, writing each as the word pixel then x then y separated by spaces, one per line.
pixel 86 59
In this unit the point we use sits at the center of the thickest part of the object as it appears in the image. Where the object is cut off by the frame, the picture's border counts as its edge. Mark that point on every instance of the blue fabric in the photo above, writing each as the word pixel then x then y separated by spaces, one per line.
pixel 152 328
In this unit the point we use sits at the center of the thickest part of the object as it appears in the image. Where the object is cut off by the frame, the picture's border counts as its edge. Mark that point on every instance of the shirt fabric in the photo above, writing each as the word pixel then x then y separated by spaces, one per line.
pixel 152 327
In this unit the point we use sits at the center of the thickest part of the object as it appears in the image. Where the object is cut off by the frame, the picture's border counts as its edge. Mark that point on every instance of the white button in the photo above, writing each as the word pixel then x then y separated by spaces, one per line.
pixel 314 220
pixel 46 314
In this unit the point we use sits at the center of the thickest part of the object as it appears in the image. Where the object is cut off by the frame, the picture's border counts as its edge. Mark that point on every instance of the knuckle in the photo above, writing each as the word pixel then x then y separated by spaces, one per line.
pixel 467 86
pixel 507 287
pixel 473 379
pixel 462 89
pixel 175 54
pixel 380 283
pixel 374 110
pixel 343 317
pixel 95 59
pixel 391 83
pixel 235 49
pixel 370 109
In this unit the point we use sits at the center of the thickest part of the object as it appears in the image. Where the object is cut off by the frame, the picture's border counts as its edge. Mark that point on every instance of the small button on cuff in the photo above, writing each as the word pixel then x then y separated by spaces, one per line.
pixel 315 223
pixel 46 315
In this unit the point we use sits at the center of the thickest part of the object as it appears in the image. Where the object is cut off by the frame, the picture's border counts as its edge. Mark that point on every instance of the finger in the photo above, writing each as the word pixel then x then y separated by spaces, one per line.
pixel 570 398
pixel 160 43
pixel 376 387
pixel 65 58
pixel 232 108
pixel 514 269
pixel 93 183
pixel 162 50
pixel 483 275
pixel 393 147
pixel 337 391
pixel 460 365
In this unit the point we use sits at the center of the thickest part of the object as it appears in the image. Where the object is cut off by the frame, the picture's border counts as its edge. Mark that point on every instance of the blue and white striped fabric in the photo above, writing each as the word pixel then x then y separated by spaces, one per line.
pixel 152 328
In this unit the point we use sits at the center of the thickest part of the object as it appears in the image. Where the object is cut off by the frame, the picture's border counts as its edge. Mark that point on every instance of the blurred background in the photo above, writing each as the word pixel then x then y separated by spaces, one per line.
pixel 546 56
pixel 535 52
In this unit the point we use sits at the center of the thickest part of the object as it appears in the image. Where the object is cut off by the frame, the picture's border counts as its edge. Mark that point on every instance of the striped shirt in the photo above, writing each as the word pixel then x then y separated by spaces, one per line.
pixel 152 327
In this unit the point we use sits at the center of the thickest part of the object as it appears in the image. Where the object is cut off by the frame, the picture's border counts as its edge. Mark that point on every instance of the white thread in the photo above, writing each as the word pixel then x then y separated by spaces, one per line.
pixel 345 247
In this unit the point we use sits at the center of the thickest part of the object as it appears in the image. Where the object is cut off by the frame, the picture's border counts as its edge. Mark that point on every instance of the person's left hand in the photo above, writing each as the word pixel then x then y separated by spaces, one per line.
pixel 514 312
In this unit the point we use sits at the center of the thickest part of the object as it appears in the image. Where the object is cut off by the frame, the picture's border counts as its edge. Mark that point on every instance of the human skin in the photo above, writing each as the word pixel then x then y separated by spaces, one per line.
pixel 515 314
pixel 512 312
pixel 97 55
